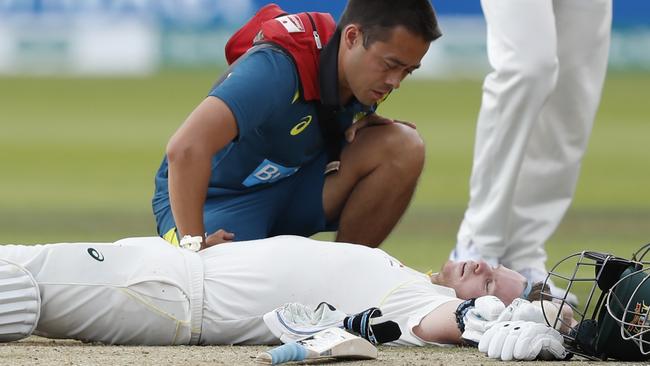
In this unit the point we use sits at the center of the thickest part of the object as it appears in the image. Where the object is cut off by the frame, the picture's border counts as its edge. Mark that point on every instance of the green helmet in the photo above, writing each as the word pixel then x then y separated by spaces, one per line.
pixel 607 324
pixel 628 307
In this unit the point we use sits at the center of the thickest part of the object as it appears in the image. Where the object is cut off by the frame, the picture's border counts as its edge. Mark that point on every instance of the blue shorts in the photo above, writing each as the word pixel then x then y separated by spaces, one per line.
pixel 291 206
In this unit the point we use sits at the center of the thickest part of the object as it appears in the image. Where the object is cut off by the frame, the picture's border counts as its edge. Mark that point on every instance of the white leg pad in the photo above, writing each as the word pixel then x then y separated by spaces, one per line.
pixel 20 302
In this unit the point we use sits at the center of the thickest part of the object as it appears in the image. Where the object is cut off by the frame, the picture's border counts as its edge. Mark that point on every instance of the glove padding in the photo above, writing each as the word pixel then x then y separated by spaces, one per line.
pixel 478 319
pixel 489 310
pixel 522 340
pixel 521 309
pixel 293 321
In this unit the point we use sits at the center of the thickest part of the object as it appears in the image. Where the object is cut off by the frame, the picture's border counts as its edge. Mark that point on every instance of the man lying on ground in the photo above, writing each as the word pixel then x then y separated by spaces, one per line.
pixel 144 291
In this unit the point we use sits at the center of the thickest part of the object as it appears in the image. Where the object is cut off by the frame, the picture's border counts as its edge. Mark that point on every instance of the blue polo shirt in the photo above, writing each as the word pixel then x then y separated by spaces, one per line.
pixel 278 130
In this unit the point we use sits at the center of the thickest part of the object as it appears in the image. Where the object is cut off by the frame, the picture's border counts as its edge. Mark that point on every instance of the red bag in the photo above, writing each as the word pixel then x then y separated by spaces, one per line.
pixel 301 35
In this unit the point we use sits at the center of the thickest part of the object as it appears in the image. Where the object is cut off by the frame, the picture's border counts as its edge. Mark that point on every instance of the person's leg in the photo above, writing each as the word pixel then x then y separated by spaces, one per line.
pixel 248 216
pixel 549 174
pixel 302 210
pixel 376 180
pixel 522 51
pixel 136 291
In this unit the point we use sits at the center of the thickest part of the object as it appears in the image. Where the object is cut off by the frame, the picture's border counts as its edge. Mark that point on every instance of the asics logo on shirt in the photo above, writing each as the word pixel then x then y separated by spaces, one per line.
pixel 300 126
pixel 96 254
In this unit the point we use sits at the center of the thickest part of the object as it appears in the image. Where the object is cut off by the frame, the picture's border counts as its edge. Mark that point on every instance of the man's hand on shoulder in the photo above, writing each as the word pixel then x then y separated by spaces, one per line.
pixel 372 119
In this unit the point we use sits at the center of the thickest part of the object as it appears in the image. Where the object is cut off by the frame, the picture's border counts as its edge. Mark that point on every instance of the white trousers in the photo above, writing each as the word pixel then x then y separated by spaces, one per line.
pixel 549 59
pixel 135 291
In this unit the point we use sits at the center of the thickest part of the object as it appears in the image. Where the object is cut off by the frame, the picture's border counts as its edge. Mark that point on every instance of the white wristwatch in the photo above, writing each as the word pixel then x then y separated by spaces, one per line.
pixel 192 243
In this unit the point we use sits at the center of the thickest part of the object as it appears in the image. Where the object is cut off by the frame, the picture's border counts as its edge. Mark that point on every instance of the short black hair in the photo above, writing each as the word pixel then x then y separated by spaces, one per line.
pixel 377 18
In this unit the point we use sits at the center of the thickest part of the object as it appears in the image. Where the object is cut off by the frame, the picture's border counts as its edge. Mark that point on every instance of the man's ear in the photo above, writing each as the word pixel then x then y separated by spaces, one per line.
pixel 351 34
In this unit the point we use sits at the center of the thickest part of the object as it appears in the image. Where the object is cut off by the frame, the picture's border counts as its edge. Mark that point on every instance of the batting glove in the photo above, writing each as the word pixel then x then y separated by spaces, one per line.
pixel 489 310
pixel 521 309
pixel 476 316
pixel 522 340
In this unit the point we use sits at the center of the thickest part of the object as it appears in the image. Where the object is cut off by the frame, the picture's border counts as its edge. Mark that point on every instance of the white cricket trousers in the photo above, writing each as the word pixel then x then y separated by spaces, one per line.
pixel 549 59
pixel 134 291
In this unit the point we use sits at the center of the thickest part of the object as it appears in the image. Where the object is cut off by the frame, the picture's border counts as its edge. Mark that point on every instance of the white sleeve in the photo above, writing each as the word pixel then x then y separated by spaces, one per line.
pixel 410 303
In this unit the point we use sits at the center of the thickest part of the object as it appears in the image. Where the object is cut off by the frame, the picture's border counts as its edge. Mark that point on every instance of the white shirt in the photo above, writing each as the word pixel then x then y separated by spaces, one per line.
pixel 245 280
pixel 145 291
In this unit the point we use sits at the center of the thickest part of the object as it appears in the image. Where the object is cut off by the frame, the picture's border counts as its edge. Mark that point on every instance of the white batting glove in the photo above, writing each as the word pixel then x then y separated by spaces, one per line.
pixel 489 310
pixel 480 318
pixel 293 321
pixel 522 340
pixel 521 309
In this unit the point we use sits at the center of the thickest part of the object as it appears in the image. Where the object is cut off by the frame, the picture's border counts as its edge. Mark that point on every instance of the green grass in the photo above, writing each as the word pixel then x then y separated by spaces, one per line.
pixel 78 158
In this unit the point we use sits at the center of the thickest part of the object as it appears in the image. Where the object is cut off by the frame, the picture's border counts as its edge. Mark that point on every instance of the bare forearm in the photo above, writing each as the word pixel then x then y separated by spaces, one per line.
pixel 208 129
pixel 188 185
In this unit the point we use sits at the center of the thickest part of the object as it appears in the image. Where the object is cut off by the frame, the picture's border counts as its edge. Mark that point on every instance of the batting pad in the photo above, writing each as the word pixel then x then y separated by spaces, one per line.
pixel 20 302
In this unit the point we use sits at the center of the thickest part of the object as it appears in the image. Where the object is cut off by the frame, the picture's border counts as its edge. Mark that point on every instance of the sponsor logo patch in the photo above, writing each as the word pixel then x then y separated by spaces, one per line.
pixel 268 172
pixel 639 321
pixel 300 126
pixel 291 23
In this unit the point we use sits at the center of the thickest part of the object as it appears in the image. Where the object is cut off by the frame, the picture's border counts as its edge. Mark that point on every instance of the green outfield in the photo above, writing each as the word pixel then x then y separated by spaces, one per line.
pixel 78 158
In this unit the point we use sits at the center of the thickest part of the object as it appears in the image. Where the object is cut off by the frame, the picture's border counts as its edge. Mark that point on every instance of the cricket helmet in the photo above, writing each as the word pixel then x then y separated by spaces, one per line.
pixel 628 304
pixel 611 321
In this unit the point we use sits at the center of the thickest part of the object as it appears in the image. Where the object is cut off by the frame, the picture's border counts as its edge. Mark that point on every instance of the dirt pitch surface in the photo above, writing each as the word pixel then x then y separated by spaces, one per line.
pixel 41 351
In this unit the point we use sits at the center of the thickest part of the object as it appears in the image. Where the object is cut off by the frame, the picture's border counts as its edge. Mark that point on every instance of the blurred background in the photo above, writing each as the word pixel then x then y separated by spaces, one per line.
pixel 91 91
